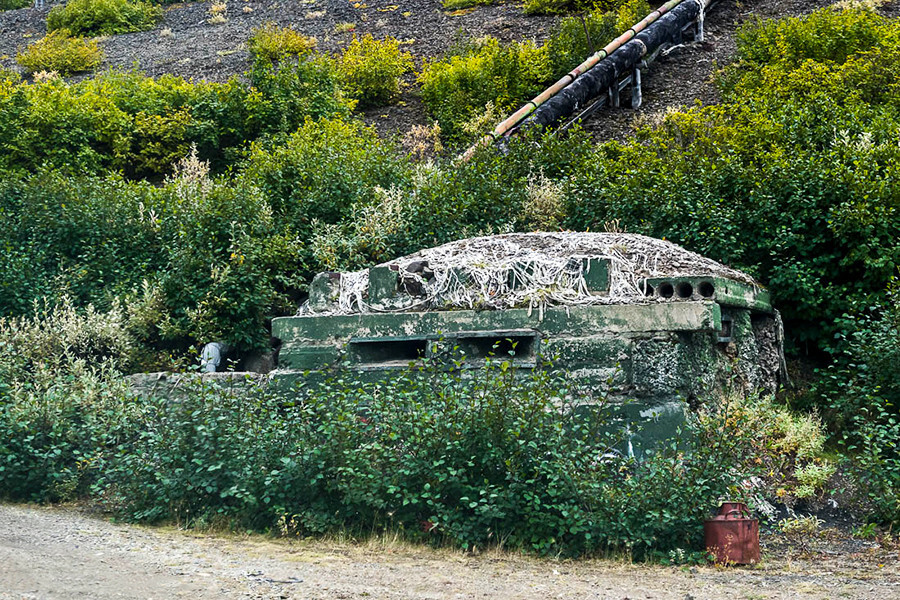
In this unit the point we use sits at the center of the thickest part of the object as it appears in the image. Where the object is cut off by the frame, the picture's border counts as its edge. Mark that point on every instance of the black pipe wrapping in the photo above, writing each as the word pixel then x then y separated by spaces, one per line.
pixel 609 71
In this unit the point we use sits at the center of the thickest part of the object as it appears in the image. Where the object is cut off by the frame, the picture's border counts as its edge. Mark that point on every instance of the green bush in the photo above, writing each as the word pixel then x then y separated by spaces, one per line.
pixel 86 239
pixel 456 89
pixel 284 95
pixel 862 389
pixel 550 7
pixel 139 125
pixel 58 428
pixel 193 260
pixel 226 253
pixel 13 4
pixel 825 35
pixel 104 17
pixel 271 43
pixel 462 4
pixel 59 52
pixel 370 70
pixel 323 169
pixel 630 12
pixel 63 406
pixel 497 460
pixel 567 46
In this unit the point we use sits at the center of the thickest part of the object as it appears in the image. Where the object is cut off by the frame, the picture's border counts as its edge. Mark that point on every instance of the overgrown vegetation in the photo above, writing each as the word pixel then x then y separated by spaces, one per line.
pixel 481 80
pixel 793 178
pixel 271 43
pixel 141 126
pixel 456 89
pixel 104 17
pixel 13 4
pixel 370 69
pixel 466 457
pixel 61 53
pixel 863 392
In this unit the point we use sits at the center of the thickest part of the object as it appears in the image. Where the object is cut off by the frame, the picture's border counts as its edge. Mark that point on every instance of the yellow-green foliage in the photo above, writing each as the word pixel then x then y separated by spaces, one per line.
pixel 826 36
pixel 58 51
pixel 461 4
pixel 58 332
pixel 370 69
pixel 813 477
pixel 104 17
pixel 457 88
pixel 631 12
pixel 141 125
pixel 784 446
pixel 271 43
pixel 545 7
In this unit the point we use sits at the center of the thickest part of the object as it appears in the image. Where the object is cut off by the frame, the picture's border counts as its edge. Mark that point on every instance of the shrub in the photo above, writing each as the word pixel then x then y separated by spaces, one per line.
pixel 292 91
pixel 457 88
pixel 370 70
pixel 104 17
pixel 58 428
pixel 498 459
pixel 58 51
pixel 57 334
pixel 63 408
pixel 13 4
pixel 549 7
pixel 87 239
pixel 630 12
pixel 462 4
pixel 225 256
pixel 567 46
pixel 546 7
pixel 824 35
pixel 784 447
pixel 322 170
pixel 142 125
pixel 271 43
pixel 862 389
pixel 193 260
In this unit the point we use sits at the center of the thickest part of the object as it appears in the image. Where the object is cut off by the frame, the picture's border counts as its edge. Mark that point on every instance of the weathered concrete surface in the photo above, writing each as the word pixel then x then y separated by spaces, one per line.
pixel 585 320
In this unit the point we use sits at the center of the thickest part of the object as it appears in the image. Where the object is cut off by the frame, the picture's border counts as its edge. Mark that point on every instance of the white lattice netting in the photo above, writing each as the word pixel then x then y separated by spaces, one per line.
pixel 532 270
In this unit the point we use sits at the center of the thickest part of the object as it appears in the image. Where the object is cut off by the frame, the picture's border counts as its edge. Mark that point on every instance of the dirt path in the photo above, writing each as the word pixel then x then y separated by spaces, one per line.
pixel 51 553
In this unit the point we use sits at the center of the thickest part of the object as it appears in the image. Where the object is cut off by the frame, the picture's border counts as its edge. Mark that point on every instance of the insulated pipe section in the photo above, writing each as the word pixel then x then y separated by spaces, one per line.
pixel 533 105
pixel 608 72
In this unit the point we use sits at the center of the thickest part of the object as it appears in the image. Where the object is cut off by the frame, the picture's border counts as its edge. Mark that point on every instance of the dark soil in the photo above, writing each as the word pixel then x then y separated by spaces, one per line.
pixel 185 44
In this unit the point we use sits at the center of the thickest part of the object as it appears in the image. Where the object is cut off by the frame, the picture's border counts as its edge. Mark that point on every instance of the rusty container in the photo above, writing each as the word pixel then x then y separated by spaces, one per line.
pixel 732 536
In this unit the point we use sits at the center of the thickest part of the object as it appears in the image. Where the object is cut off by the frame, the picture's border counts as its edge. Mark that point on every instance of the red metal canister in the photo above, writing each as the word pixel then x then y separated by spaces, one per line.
pixel 732 536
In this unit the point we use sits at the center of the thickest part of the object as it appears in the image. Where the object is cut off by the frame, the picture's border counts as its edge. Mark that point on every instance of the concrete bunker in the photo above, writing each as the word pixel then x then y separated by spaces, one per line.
pixel 627 316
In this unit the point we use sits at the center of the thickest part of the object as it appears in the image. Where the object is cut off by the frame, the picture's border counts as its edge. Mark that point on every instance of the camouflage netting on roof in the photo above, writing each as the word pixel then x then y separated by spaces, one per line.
pixel 527 270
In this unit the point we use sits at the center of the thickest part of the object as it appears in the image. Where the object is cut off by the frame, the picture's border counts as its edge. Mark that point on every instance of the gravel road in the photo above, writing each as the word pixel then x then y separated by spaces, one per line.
pixel 53 553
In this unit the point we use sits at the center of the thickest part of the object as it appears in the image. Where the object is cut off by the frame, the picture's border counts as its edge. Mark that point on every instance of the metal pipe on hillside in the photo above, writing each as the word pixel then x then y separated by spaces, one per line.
pixel 607 73
pixel 573 77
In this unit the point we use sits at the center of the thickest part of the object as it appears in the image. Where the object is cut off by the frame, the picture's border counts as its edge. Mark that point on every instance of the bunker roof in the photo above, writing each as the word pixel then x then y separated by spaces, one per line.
pixel 532 270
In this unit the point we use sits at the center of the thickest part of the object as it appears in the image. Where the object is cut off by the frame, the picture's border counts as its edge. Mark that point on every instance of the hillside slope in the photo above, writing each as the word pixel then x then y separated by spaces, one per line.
pixel 185 44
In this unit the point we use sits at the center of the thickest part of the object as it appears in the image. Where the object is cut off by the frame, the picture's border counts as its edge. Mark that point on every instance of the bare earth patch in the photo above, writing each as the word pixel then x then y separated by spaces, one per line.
pixel 59 553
